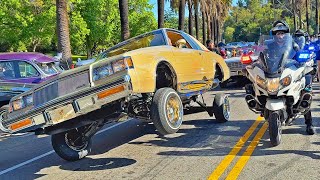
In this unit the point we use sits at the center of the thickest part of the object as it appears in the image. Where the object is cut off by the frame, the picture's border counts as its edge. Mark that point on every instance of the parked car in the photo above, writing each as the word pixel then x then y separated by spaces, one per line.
pixel 236 67
pixel 151 77
pixel 19 72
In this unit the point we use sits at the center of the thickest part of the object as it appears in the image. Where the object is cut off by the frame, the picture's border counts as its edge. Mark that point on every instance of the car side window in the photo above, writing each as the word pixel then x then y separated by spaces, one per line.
pixel 27 70
pixel 7 70
pixel 174 37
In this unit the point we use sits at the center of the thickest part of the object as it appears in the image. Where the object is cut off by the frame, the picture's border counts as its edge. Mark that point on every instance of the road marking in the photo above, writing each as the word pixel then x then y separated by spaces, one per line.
pixel 246 155
pixel 50 152
pixel 229 158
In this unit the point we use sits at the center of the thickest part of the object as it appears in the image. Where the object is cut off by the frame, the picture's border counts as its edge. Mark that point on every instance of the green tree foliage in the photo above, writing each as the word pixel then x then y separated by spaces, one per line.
pixel 247 21
pixel 94 24
pixel 26 25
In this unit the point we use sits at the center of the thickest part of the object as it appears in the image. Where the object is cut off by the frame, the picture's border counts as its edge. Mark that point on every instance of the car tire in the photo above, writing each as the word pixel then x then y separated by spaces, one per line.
pixel 3 114
pixel 67 149
pixel 167 111
pixel 221 108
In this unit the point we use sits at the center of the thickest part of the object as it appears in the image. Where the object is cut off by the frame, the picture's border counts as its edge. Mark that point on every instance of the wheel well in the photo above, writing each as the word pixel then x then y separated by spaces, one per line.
pixel 166 76
pixel 218 74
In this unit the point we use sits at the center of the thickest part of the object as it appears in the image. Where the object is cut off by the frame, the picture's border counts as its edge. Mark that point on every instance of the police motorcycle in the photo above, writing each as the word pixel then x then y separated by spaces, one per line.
pixel 278 82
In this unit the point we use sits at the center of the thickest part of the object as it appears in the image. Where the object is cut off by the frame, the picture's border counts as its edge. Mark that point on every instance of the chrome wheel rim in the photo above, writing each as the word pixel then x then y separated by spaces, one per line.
pixel 174 112
pixel 226 108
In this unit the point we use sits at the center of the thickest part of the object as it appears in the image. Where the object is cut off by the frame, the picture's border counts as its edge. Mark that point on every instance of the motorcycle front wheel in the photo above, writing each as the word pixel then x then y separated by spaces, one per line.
pixel 275 129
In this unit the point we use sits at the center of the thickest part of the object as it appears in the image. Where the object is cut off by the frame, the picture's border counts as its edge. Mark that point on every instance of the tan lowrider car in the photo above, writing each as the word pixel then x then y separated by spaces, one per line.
pixel 152 77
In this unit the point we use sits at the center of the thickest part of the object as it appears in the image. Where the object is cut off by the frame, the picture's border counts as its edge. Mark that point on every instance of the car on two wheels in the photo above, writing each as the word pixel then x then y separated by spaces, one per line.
pixel 152 77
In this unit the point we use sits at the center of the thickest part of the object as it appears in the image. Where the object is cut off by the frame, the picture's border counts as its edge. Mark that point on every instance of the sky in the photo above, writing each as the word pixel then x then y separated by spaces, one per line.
pixel 167 6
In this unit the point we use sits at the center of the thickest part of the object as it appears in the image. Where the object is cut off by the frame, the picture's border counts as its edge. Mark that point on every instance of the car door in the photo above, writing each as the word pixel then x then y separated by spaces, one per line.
pixel 20 72
pixel 188 62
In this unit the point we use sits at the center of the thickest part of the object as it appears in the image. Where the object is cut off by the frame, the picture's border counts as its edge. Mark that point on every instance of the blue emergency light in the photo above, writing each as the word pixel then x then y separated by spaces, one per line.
pixel 303 56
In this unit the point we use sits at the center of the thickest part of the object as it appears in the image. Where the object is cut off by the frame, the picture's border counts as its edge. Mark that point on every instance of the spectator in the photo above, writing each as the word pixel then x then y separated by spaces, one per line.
pixel 212 47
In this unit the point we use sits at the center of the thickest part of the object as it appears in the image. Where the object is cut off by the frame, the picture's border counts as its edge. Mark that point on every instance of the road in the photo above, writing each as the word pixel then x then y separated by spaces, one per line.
pixel 202 149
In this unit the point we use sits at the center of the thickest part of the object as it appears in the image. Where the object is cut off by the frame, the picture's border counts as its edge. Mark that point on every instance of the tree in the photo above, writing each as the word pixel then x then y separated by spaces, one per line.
pixel 196 17
pixel 63 33
pixel 160 13
pixel 123 7
pixel 190 19
pixel 182 6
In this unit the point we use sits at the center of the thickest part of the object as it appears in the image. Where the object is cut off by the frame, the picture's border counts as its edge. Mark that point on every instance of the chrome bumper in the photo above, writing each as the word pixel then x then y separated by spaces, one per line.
pixel 84 103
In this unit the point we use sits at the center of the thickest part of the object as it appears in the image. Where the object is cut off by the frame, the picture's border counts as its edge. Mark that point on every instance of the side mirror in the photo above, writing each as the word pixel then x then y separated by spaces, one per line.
pixel 181 43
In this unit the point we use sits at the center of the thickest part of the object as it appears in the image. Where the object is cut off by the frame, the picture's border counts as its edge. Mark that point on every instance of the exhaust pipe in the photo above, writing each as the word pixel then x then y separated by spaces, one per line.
pixel 305 101
pixel 250 101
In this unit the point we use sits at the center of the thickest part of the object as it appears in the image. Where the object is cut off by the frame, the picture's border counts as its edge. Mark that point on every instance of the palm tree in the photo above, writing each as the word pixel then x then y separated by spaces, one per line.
pixel 190 19
pixel 182 6
pixel 196 16
pixel 160 13
pixel 123 7
pixel 307 16
pixel 317 18
pixel 63 33
pixel 203 7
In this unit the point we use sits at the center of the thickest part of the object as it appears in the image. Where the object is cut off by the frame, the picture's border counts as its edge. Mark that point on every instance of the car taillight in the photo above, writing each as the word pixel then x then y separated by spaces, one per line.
pixel 246 59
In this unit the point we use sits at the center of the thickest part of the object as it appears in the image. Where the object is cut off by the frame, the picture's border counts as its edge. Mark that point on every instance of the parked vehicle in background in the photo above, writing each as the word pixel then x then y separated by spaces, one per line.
pixel 19 72
pixel 152 77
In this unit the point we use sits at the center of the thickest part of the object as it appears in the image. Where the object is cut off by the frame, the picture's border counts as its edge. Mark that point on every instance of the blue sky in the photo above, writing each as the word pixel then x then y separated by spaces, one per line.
pixel 167 6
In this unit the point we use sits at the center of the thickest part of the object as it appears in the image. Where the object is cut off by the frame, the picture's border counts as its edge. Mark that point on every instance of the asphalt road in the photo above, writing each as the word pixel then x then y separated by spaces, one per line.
pixel 202 149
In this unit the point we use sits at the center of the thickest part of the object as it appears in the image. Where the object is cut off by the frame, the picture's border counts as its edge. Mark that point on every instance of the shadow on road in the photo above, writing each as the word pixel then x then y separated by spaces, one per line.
pixel 89 164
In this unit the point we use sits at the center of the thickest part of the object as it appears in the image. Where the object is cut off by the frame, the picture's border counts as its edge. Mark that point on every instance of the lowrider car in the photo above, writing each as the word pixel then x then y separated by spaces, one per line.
pixel 19 72
pixel 152 77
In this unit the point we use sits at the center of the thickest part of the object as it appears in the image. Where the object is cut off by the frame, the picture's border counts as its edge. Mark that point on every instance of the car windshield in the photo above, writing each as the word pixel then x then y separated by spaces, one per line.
pixel 277 52
pixel 49 68
pixel 147 40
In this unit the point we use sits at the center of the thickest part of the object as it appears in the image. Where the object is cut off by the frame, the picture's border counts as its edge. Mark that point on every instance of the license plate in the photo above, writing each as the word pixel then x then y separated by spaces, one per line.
pixel 62 114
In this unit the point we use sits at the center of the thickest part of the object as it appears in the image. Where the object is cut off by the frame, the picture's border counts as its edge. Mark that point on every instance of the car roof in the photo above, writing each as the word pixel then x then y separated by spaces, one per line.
pixel 28 56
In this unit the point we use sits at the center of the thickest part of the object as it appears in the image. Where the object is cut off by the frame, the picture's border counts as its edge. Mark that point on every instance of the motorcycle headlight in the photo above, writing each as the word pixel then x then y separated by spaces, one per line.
pixel 273 85
pixel 18 104
pixel 286 81
pixel 261 82
pixel 101 72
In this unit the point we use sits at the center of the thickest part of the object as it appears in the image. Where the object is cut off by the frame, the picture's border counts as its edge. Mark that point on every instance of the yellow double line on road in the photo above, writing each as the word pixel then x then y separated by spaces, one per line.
pixel 234 173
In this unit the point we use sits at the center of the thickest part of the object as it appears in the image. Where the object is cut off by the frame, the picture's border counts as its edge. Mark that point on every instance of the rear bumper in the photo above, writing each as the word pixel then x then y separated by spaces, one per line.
pixel 69 108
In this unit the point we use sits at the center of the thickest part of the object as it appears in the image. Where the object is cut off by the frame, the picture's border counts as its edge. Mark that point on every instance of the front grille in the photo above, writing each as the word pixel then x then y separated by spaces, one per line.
pixel 64 86
pixel 235 65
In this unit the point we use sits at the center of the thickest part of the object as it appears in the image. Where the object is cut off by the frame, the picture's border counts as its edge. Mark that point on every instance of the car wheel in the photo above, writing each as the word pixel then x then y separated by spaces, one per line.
pixel 221 108
pixel 166 111
pixel 3 114
pixel 71 145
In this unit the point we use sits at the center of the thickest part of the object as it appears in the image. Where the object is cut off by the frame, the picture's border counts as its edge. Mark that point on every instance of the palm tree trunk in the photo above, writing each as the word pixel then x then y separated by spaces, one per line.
pixel 213 28
pixel 300 20
pixel 196 16
pixel 160 13
pixel 123 7
pixel 208 27
pixel 294 15
pixel 190 20
pixel 63 33
pixel 182 7
pixel 317 18
pixel 307 16
pixel 218 31
pixel 203 28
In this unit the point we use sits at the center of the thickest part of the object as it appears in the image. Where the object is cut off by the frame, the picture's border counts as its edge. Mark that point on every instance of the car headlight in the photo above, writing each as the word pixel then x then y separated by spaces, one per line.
pixel 28 100
pixel 286 81
pixel 18 104
pixel 101 72
pixel 273 85
pixel 122 64
pixel 261 82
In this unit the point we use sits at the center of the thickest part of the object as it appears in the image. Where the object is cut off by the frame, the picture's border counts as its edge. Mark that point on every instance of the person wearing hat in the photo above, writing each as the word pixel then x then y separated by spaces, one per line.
pixel 280 30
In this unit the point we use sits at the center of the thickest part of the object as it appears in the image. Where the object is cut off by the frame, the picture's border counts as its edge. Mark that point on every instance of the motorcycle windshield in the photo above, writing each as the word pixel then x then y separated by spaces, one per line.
pixel 278 51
